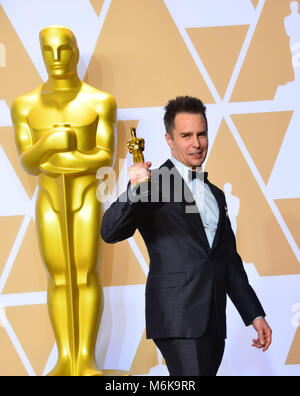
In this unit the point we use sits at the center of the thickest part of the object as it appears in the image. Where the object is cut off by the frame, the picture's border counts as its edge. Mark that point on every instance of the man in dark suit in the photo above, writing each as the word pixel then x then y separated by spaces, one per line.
pixel 194 263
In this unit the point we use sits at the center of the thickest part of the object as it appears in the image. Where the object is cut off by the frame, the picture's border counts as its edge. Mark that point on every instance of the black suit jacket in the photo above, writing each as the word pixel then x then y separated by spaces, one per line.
pixel 185 275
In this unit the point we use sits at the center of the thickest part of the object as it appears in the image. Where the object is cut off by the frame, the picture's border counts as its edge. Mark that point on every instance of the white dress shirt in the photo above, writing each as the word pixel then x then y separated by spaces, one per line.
pixel 204 198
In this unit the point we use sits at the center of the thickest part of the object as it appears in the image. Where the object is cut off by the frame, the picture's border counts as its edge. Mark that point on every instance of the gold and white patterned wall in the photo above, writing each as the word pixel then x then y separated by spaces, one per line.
pixel 242 58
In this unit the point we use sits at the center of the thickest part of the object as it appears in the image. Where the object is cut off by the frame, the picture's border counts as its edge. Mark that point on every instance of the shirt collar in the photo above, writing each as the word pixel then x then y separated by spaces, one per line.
pixel 183 169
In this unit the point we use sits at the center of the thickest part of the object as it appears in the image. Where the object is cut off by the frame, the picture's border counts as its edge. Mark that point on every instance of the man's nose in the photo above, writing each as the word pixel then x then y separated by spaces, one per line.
pixel 196 142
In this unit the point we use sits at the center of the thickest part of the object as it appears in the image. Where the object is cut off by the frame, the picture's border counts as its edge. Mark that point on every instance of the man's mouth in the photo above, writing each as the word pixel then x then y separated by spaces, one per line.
pixel 196 154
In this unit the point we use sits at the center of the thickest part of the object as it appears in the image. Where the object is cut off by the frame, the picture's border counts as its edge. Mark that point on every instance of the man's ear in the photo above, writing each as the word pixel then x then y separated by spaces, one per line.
pixel 169 140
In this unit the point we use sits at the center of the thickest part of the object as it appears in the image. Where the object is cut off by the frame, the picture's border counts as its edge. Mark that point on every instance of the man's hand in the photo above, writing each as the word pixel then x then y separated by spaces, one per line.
pixel 264 334
pixel 139 172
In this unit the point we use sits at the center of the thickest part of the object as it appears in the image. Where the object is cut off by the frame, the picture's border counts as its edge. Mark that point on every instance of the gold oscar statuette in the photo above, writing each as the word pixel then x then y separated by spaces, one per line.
pixel 64 132
pixel 136 147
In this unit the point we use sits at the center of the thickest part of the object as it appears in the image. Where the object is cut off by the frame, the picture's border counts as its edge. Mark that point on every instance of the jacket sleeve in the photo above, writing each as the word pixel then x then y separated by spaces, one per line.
pixel 119 221
pixel 238 288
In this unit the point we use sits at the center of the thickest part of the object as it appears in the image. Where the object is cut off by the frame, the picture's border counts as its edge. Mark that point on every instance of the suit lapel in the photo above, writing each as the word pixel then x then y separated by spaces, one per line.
pixel 192 215
pixel 220 202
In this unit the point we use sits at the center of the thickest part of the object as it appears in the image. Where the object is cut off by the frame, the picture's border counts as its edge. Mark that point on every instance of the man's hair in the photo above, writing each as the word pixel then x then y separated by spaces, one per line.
pixel 182 104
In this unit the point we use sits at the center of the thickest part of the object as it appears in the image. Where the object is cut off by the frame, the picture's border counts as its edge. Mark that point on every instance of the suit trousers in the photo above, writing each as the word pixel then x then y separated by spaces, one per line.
pixel 194 356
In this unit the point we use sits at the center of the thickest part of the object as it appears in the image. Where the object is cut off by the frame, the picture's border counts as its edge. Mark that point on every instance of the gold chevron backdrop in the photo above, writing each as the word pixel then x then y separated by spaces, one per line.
pixel 242 58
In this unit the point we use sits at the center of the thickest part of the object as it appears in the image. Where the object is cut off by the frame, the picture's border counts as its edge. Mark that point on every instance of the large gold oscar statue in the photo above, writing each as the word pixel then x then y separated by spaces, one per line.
pixel 64 132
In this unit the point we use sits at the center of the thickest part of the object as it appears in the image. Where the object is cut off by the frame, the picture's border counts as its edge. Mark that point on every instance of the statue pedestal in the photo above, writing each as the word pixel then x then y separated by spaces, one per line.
pixel 116 373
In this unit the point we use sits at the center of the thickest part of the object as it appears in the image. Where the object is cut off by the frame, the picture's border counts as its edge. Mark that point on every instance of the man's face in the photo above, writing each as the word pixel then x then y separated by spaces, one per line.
pixel 59 52
pixel 189 143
